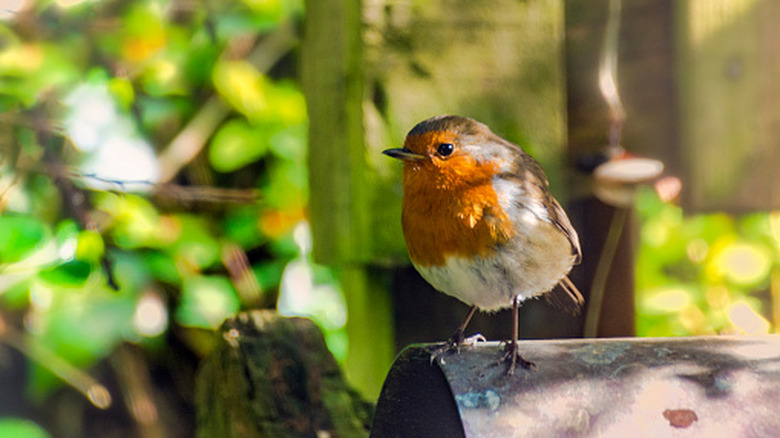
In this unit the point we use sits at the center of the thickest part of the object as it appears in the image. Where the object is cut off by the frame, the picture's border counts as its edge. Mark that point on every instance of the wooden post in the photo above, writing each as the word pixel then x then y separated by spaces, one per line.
pixel 333 82
pixel 332 75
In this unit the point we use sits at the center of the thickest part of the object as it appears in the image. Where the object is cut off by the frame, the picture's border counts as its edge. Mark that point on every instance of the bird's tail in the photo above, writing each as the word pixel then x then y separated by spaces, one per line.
pixel 566 297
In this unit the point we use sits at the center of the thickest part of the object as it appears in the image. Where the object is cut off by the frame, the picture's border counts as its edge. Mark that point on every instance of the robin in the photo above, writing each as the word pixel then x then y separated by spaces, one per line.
pixel 480 223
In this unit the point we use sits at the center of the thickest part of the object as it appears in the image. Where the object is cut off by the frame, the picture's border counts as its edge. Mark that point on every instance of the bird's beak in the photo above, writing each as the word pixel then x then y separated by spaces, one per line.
pixel 403 154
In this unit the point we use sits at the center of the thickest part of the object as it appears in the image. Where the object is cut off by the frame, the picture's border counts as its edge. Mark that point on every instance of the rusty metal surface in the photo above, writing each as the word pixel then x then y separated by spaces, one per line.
pixel 706 386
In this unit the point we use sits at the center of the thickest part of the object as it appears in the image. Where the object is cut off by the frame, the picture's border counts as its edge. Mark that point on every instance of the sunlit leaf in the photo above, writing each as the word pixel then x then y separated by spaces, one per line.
pixel 287 103
pixel 90 246
pixel 30 69
pixel 163 77
pixel 135 219
pixel 237 144
pixel 21 428
pixel 275 10
pixel 206 302
pixel 19 236
pixel 123 92
pixel 142 32
pixel 242 87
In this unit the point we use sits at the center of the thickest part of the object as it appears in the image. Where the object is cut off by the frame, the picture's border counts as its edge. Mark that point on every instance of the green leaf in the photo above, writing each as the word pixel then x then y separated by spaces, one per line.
pixel 195 245
pixel 242 87
pixel 21 428
pixel 131 271
pixel 241 226
pixel 206 302
pixel 162 267
pixel 135 220
pixel 19 236
pixel 70 274
pixel 201 57
pixel 237 144
pixel 270 274
pixel 122 90
pixel 286 185
pixel 290 143
pixel 90 246
pixel 30 69
pixel 287 102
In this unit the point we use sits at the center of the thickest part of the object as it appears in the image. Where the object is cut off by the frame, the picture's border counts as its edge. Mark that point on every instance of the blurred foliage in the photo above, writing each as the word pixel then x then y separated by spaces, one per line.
pixel 706 274
pixel 19 428
pixel 135 136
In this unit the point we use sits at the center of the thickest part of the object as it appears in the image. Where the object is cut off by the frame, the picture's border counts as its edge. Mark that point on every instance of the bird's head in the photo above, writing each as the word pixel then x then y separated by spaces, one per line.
pixel 451 150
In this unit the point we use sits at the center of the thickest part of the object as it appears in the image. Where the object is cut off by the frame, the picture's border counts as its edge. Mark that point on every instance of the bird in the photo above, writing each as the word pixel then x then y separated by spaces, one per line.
pixel 481 225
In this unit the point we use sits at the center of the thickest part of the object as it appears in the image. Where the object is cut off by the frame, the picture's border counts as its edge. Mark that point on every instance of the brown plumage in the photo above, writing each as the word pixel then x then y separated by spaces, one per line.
pixel 479 221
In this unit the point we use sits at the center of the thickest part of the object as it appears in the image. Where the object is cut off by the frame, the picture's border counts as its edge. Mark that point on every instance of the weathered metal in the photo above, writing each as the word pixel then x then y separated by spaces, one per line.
pixel 706 386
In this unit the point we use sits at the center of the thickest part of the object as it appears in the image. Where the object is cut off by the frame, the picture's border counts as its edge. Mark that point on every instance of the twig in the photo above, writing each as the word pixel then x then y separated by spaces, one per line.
pixel 237 264
pixel 74 200
pixel 137 391
pixel 596 298
pixel 82 382
pixel 179 192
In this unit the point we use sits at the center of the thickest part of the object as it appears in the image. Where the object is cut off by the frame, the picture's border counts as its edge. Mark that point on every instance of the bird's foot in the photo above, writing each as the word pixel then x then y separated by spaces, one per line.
pixel 512 355
pixel 456 342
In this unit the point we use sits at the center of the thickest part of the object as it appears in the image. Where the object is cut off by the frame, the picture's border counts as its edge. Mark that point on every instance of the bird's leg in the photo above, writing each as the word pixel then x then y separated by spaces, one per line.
pixel 458 339
pixel 512 354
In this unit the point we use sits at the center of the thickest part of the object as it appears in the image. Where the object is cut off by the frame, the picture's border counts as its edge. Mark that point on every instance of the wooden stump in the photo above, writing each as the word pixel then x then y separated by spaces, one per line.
pixel 271 376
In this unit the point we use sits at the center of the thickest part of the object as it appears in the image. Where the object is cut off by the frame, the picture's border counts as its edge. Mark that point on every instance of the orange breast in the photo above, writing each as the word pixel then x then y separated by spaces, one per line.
pixel 451 210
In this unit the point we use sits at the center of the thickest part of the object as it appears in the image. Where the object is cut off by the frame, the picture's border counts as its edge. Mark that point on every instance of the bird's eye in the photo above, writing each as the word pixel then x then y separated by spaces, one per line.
pixel 445 149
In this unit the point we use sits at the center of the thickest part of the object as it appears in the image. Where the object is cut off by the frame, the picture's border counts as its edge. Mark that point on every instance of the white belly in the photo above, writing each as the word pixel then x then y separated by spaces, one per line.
pixel 529 266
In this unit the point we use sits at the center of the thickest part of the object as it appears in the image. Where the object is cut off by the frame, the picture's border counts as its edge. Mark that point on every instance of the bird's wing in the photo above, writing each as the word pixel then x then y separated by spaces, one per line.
pixel 530 174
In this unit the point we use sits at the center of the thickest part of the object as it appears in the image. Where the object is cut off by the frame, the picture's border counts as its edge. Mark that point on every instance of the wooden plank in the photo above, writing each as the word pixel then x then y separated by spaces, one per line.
pixel 729 111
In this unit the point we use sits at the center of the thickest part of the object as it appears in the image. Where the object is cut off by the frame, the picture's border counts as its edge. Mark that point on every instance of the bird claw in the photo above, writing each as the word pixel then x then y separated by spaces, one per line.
pixel 512 354
pixel 456 342
pixel 470 341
